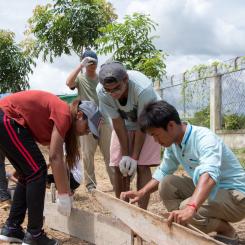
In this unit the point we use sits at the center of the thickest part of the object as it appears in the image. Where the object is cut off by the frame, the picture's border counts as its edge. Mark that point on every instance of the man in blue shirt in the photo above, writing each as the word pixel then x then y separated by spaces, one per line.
pixel 214 194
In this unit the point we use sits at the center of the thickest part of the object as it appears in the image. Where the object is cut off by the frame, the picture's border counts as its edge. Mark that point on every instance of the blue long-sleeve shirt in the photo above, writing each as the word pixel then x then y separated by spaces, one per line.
pixel 202 151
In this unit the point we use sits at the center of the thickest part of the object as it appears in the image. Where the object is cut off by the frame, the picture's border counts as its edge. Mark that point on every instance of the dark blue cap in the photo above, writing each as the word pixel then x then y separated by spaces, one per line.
pixel 89 53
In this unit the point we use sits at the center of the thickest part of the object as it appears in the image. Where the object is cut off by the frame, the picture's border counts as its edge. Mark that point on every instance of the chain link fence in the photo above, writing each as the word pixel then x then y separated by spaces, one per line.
pixel 233 100
pixel 190 93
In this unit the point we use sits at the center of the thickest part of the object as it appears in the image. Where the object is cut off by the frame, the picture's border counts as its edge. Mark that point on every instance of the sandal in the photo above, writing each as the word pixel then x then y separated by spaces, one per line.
pixel 227 240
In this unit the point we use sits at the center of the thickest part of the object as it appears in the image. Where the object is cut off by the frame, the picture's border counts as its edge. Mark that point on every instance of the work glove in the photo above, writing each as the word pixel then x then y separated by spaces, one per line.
pixel 64 203
pixel 132 168
pixel 124 165
pixel 88 61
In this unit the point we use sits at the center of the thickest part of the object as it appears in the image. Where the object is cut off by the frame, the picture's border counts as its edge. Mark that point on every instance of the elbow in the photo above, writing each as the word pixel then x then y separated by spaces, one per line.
pixel 71 87
pixel 54 158
pixel 68 82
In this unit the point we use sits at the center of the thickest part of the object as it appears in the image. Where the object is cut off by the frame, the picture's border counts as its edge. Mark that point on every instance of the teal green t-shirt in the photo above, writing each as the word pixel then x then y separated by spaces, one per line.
pixel 87 90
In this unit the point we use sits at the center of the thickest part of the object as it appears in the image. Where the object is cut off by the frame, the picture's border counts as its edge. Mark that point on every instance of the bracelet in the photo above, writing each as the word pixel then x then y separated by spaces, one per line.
pixel 193 205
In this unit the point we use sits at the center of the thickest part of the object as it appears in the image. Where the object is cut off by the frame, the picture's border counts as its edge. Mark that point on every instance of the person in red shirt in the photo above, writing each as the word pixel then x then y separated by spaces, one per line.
pixel 36 116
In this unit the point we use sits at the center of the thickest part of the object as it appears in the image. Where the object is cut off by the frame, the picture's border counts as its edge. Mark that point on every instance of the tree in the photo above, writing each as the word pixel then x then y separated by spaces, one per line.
pixel 15 65
pixel 66 26
pixel 131 43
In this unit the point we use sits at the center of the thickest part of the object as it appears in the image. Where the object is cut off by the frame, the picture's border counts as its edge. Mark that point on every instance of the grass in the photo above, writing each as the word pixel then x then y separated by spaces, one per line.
pixel 240 153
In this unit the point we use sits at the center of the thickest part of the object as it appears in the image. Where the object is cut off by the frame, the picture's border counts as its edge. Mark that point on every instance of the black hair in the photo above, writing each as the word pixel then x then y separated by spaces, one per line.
pixel 157 115
pixel 110 80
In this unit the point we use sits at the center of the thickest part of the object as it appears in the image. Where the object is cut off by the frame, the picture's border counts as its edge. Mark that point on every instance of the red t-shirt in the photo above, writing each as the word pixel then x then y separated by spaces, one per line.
pixel 39 111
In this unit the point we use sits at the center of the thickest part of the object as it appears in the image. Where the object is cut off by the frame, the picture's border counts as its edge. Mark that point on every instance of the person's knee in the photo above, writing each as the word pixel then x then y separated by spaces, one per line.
pixel 166 187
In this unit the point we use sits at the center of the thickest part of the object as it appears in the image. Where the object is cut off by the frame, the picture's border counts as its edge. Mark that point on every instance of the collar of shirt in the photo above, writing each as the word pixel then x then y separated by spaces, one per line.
pixel 186 138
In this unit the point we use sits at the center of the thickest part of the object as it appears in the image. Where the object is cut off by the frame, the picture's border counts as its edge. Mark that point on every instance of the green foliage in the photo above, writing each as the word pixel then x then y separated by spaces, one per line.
pixel 240 153
pixel 131 43
pixel 66 26
pixel 233 121
pixel 230 121
pixel 15 65
pixel 201 118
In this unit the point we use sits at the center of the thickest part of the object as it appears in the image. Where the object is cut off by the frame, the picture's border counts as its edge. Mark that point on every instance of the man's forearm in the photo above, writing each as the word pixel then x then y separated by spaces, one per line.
pixel 202 190
pixel 70 82
pixel 138 143
pixel 122 134
pixel 150 187
pixel 60 176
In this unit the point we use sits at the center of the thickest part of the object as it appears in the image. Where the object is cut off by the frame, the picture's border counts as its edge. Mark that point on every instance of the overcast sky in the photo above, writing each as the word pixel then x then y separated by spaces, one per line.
pixel 191 32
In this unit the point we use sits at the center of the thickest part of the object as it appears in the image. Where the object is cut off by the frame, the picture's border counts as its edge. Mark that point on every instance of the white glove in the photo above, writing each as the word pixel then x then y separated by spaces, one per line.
pixel 132 167
pixel 128 166
pixel 124 165
pixel 88 61
pixel 64 203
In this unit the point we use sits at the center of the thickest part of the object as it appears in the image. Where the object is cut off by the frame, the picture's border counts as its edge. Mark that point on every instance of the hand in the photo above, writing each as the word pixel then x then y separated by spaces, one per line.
pixel 134 196
pixel 132 167
pixel 181 216
pixel 124 165
pixel 88 61
pixel 64 203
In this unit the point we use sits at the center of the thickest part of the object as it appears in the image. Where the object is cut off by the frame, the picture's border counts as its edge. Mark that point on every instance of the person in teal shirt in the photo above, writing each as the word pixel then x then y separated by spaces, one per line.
pixel 213 193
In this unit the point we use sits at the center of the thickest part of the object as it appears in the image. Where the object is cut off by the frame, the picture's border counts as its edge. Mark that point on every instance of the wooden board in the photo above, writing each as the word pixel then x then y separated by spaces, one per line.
pixel 94 228
pixel 152 228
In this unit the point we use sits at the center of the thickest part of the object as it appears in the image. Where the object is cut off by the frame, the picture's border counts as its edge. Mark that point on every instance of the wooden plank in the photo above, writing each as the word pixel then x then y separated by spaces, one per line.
pixel 152 228
pixel 90 227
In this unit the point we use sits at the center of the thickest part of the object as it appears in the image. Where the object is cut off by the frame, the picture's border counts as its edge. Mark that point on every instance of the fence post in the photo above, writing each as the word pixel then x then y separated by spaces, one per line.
pixel 215 102
pixel 157 87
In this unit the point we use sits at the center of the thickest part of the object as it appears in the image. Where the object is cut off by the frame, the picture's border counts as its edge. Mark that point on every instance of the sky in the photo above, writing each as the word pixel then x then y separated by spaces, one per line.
pixel 191 32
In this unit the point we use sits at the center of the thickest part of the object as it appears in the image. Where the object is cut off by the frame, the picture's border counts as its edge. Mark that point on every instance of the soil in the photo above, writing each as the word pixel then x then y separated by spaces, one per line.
pixel 85 201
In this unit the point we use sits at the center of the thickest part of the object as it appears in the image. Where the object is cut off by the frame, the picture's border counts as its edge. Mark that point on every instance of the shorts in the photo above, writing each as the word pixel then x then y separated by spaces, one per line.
pixel 149 155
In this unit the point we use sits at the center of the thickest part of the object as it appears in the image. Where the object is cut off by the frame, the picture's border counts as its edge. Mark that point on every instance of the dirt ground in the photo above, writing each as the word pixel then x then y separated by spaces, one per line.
pixel 85 201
